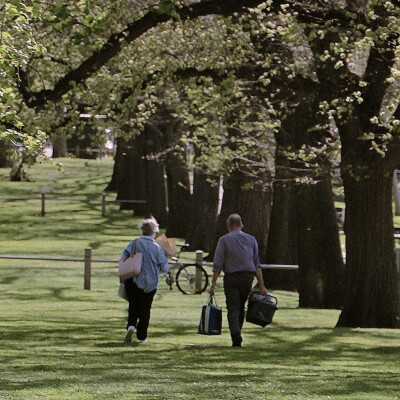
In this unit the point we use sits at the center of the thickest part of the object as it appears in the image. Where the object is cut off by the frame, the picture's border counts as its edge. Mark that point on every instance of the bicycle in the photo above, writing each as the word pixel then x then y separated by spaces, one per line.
pixel 190 278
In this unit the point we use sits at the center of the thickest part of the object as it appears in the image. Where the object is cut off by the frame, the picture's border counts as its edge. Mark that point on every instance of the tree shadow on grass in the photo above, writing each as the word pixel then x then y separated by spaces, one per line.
pixel 8 280
pixel 68 224
pixel 84 354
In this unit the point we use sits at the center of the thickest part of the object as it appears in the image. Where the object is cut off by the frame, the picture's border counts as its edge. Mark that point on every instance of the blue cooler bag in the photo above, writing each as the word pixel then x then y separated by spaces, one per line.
pixel 210 319
pixel 261 309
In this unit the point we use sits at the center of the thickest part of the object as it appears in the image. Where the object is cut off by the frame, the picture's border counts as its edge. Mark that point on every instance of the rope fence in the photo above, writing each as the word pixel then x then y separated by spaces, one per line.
pixel 44 198
pixel 88 259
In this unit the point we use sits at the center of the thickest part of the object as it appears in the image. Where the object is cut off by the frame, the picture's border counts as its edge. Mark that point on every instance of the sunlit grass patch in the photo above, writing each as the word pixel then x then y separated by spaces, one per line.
pixel 59 341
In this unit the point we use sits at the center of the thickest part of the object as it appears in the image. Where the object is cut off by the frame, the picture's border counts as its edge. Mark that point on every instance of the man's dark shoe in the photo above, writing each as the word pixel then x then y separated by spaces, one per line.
pixel 237 340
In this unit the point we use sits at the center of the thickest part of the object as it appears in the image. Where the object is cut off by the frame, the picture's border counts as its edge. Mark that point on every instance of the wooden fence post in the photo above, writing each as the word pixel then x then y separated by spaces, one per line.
pixel 43 212
pixel 103 204
pixel 88 267
pixel 199 262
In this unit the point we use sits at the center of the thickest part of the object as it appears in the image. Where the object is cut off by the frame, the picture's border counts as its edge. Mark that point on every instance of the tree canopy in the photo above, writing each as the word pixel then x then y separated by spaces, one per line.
pixel 94 57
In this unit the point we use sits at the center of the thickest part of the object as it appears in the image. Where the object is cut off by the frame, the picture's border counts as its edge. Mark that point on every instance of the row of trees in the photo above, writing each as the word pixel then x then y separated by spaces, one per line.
pixel 316 82
pixel 303 229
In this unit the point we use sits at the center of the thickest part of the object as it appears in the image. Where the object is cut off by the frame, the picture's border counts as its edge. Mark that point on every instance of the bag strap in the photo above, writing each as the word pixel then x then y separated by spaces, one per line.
pixel 134 247
pixel 212 300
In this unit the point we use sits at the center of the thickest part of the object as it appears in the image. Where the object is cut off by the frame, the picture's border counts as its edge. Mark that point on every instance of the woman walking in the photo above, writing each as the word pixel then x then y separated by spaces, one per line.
pixel 141 289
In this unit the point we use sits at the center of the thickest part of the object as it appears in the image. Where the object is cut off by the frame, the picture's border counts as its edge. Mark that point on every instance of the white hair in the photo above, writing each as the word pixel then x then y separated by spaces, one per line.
pixel 149 226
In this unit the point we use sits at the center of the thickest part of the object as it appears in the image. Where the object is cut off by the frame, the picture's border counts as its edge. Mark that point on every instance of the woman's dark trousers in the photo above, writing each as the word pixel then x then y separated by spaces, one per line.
pixel 139 308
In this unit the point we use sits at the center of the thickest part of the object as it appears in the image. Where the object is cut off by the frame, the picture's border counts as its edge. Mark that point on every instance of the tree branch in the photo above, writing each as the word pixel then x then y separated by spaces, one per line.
pixel 115 42
pixel 380 63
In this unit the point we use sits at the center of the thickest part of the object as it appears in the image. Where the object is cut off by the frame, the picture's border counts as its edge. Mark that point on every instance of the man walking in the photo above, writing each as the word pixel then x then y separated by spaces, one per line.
pixel 237 256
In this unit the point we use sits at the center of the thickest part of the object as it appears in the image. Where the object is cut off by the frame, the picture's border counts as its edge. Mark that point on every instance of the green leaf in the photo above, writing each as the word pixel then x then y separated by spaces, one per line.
pixel 166 7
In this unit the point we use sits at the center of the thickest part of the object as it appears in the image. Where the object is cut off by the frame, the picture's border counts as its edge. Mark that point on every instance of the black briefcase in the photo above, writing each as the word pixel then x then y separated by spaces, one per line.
pixel 261 309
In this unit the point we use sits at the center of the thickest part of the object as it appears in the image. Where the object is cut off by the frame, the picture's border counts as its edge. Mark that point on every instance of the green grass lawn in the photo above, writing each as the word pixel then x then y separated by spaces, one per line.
pixel 59 341
pixel 68 226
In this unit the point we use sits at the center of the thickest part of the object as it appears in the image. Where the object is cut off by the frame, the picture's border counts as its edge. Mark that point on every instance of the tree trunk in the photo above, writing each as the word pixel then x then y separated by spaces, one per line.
pixel 59 142
pixel 179 212
pixel 140 169
pixel 143 179
pixel 132 182
pixel 201 235
pixel 178 183
pixel 154 171
pixel 4 160
pixel 17 171
pixel 396 192
pixel 282 238
pixel 119 162
pixel 372 292
pixel 81 142
pixel 304 231
pixel 304 227
pixel 252 203
pixel 321 269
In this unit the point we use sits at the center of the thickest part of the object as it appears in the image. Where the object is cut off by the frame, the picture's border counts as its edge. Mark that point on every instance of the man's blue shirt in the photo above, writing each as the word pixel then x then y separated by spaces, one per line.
pixel 236 251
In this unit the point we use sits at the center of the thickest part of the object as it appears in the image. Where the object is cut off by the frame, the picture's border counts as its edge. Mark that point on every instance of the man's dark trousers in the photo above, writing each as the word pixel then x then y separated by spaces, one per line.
pixel 237 287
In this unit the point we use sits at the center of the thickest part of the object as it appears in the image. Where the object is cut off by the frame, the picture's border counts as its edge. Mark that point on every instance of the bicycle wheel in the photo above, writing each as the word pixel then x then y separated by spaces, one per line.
pixel 186 279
